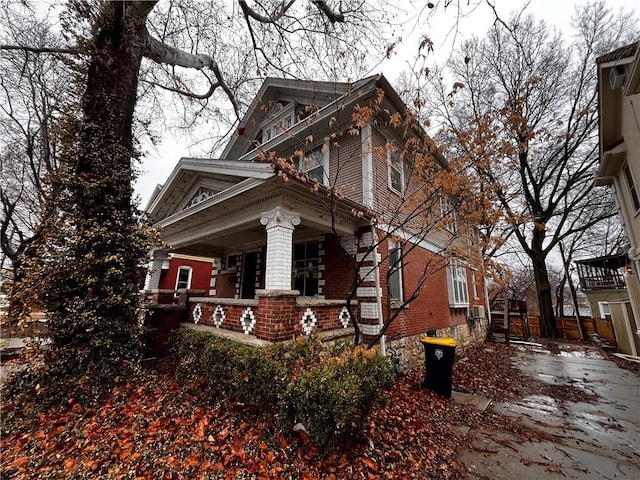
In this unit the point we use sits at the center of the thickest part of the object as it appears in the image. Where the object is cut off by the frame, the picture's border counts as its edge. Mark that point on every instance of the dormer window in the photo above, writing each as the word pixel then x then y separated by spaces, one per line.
pixel 280 119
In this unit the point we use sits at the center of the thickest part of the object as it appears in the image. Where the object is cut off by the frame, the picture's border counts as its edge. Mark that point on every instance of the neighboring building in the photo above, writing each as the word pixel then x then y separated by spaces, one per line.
pixel 282 258
pixel 178 272
pixel 619 128
pixel 604 280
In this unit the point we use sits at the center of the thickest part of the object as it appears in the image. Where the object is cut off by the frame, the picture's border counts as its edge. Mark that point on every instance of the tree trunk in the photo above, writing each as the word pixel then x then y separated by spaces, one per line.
pixel 545 301
pixel 93 304
pixel 543 286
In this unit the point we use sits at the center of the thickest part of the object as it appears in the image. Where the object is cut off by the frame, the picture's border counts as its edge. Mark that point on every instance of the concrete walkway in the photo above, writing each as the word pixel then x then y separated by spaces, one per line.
pixel 575 440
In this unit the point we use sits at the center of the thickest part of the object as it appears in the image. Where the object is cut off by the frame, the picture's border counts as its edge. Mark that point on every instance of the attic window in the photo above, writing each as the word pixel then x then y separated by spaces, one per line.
pixel 617 76
pixel 280 119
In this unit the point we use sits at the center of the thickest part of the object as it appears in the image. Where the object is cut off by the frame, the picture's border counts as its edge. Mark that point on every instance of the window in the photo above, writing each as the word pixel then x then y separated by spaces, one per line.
pixel 457 284
pixel 183 279
pixel 474 287
pixel 316 164
pixel 632 187
pixel 448 213
pixel 232 261
pixel 605 310
pixel 280 119
pixel 305 273
pixel 395 270
pixel 396 172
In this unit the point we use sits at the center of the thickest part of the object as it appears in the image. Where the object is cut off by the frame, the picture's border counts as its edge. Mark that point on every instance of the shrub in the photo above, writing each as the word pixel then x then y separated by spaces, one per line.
pixel 188 345
pixel 329 389
pixel 334 400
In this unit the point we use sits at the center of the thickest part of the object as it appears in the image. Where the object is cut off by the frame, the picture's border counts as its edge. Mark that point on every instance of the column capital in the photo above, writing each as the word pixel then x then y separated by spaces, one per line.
pixel 280 217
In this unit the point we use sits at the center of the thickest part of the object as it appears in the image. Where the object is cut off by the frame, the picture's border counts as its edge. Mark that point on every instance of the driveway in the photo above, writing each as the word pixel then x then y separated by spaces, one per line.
pixel 597 436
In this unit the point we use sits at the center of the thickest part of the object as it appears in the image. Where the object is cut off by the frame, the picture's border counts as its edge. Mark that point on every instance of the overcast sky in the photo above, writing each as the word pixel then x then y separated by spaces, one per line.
pixel 159 161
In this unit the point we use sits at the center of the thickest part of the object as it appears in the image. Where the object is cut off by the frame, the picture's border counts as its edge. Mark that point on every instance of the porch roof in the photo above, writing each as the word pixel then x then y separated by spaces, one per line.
pixel 229 219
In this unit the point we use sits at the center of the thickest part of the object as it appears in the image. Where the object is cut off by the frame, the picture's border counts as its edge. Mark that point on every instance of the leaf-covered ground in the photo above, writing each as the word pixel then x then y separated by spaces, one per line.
pixel 157 429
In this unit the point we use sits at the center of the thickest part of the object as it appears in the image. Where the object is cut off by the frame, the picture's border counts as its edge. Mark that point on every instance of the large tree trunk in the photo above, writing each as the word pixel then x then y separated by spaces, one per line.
pixel 543 286
pixel 93 306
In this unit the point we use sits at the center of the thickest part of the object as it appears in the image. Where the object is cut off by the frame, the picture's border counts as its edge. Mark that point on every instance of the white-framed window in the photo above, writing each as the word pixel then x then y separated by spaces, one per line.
pixel 183 278
pixel 633 191
pixel 605 310
pixel 457 284
pixel 281 118
pixel 315 164
pixel 396 171
pixel 395 270
pixel 448 213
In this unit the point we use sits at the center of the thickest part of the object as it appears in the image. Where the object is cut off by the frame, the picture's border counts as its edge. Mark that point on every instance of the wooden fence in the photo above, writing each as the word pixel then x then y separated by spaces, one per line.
pixel 567 327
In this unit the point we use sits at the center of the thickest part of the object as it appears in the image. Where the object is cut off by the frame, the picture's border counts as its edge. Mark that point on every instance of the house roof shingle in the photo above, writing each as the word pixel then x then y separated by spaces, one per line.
pixel 619 53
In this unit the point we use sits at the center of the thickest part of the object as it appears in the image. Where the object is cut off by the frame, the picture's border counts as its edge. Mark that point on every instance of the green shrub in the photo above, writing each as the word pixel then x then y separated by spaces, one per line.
pixel 260 378
pixel 188 346
pixel 334 400
pixel 329 389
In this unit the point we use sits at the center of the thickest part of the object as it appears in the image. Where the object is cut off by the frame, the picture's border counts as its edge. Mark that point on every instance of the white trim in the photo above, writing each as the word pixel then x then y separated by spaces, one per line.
pixel 189 276
pixel 613 63
pixel 242 187
pixel 367 166
pixel 210 165
pixel 421 242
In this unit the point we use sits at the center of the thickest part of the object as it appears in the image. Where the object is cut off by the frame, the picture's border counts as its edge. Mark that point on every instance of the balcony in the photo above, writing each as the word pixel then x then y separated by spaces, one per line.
pixel 603 273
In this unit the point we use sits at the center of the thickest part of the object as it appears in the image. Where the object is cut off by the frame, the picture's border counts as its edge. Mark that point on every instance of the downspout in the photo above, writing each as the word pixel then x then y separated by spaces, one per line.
pixel 383 347
pixel 486 302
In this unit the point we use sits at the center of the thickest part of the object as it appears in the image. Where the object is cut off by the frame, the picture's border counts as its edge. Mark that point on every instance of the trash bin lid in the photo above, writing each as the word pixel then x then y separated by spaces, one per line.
pixel 447 341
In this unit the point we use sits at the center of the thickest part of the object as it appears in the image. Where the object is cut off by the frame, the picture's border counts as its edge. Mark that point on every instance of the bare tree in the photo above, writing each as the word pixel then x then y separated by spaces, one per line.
pixel 524 114
pixel 35 93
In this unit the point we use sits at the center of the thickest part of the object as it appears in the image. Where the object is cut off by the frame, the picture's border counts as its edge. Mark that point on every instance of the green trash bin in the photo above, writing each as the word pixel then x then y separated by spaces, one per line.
pixel 439 356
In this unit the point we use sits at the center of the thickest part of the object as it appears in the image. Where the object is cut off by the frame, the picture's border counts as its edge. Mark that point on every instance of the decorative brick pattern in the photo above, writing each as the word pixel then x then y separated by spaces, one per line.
pixel 369 310
pixel 197 313
pixel 308 321
pixel 247 321
pixel 344 317
pixel 218 316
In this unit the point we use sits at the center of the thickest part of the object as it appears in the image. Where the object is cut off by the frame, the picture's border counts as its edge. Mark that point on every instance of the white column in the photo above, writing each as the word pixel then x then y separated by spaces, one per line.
pixel 279 224
pixel 152 280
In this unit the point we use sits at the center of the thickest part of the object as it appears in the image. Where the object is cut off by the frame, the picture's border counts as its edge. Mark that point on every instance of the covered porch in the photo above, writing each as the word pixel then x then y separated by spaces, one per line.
pixel 280 266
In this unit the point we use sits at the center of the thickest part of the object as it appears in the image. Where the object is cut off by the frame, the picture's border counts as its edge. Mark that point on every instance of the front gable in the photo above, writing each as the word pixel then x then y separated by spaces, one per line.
pixel 283 103
pixel 194 181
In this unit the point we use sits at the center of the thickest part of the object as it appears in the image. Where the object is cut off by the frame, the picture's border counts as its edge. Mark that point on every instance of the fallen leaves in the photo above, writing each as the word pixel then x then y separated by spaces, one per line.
pixel 156 428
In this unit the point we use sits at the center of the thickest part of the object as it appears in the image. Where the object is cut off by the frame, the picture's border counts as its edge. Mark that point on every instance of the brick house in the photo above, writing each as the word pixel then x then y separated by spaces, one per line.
pixel 296 207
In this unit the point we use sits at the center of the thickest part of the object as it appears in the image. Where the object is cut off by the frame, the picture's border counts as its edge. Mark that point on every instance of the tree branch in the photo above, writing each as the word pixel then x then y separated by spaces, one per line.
pixel 40 50
pixel 330 14
pixel 250 12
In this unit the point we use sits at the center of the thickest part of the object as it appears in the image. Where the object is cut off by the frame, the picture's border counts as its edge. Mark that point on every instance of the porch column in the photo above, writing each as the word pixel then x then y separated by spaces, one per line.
pixel 279 224
pixel 152 280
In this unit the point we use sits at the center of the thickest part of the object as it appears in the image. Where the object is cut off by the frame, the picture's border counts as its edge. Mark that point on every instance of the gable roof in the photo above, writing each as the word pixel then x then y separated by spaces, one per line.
pixel 192 174
pixel 327 97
